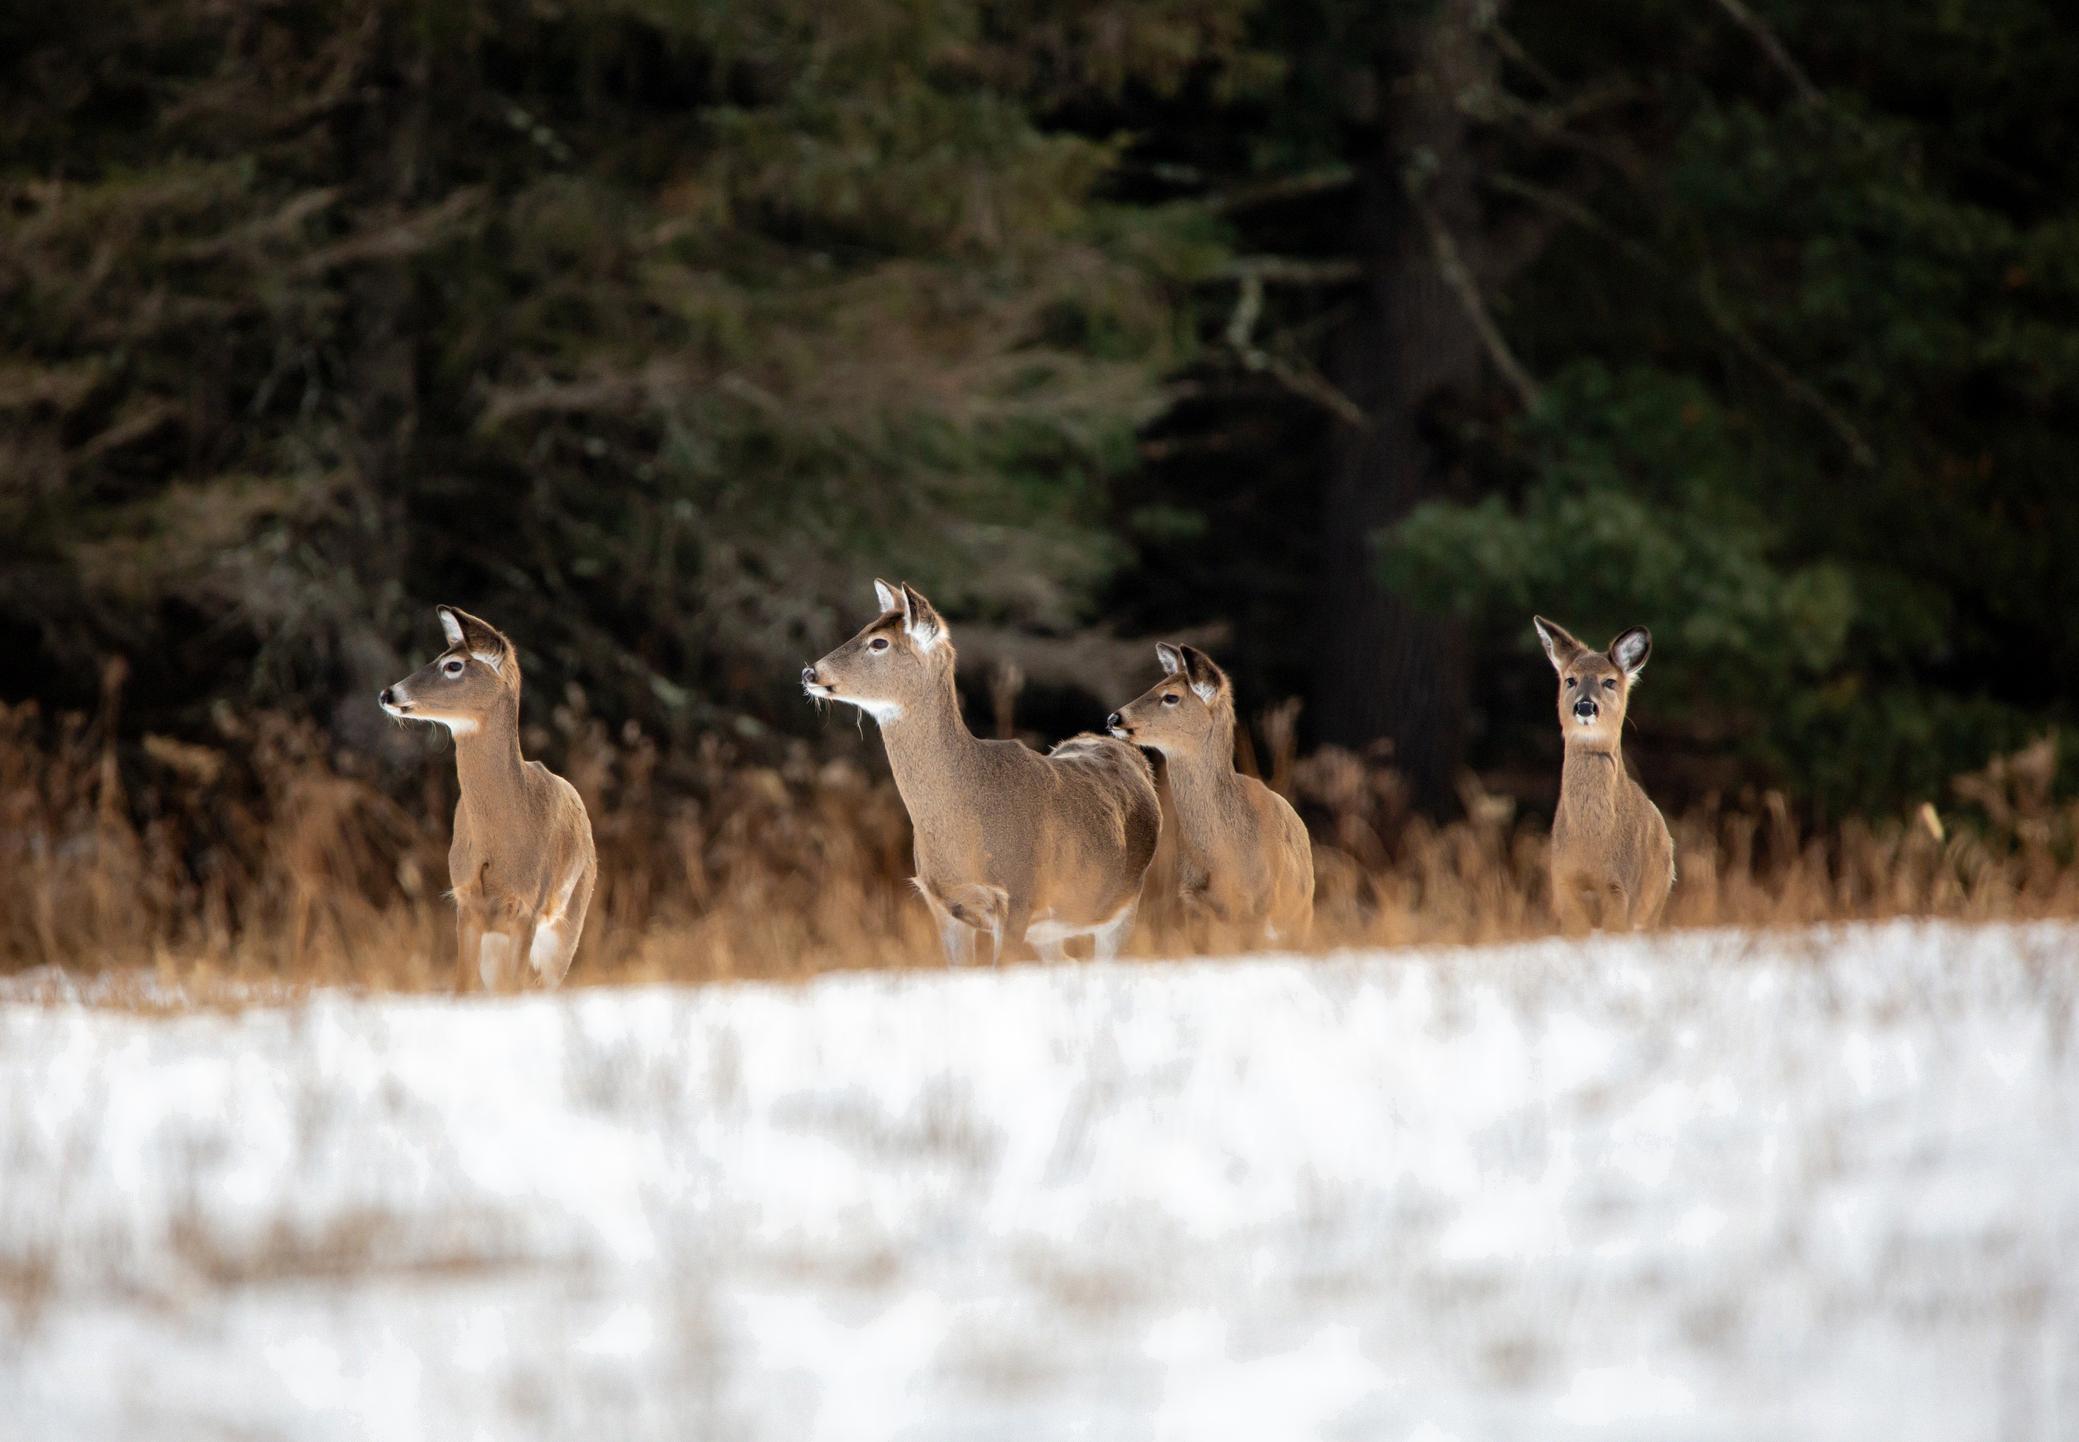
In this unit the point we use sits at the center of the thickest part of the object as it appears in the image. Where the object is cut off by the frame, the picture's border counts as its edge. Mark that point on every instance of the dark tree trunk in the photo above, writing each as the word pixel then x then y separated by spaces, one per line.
pixel 1383 668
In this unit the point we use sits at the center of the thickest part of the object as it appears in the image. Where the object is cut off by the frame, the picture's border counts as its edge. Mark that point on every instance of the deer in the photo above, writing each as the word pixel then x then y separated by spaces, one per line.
pixel 521 864
pixel 1612 859
pixel 1243 858
pixel 1012 846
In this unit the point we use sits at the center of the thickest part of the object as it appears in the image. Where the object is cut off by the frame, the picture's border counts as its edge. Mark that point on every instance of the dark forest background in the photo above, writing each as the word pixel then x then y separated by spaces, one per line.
pixel 1339 335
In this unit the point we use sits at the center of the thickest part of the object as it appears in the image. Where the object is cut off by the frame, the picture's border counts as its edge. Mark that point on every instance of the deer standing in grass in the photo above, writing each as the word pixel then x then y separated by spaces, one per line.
pixel 1612 859
pixel 1011 845
pixel 521 863
pixel 1243 858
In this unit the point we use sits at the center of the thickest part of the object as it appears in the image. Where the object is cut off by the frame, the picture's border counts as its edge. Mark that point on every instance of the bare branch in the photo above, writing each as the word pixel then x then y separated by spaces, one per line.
pixel 1567 208
pixel 1512 50
pixel 1459 276
pixel 396 239
pixel 1773 47
pixel 1292 270
pixel 1282 188
pixel 1792 384
pixel 1767 362
pixel 1301 380
pixel 1097 663
pixel 1551 125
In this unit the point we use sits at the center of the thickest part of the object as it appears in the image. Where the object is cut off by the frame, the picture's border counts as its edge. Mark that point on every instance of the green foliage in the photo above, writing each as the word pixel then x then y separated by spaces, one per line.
pixel 1808 405
pixel 651 329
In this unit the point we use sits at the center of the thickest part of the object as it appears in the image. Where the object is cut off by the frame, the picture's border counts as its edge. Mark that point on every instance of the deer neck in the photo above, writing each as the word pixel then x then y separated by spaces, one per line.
pixel 1201 781
pixel 1590 777
pixel 487 759
pixel 925 745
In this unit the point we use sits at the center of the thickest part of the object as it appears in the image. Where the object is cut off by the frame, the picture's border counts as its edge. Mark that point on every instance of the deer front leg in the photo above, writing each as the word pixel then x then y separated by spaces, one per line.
pixel 469 940
pixel 1571 903
pixel 1011 921
pixel 957 940
pixel 1618 912
pixel 1199 915
pixel 969 911
pixel 1109 939
pixel 523 945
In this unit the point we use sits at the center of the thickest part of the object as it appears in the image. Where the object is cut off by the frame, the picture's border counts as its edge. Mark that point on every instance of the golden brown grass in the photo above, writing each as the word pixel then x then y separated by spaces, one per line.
pixel 271 855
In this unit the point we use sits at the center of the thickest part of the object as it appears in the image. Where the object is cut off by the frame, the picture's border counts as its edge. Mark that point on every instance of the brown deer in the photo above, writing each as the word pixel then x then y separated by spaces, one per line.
pixel 1612 860
pixel 1011 845
pixel 1243 858
pixel 521 863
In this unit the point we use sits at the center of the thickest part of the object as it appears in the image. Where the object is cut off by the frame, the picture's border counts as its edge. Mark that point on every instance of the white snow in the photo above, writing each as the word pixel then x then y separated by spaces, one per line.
pixel 1713 1186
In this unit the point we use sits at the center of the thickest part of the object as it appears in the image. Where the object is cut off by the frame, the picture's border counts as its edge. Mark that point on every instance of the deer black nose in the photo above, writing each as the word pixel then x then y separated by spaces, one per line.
pixel 1585 709
pixel 808 675
pixel 385 698
pixel 1112 720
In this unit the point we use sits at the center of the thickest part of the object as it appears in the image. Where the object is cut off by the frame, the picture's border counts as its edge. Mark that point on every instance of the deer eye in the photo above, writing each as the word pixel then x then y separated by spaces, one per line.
pixel 1170 698
pixel 1609 683
pixel 452 669
pixel 1571 683
pixel 878 643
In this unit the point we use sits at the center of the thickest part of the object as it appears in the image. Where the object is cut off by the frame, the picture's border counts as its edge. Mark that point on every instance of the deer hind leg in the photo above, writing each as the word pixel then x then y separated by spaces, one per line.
pixel 556 939
pixel 1646 913
pixel 1293 928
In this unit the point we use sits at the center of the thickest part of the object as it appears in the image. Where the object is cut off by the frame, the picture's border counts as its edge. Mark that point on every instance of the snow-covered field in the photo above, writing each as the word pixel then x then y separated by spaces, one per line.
pixel 1812 1186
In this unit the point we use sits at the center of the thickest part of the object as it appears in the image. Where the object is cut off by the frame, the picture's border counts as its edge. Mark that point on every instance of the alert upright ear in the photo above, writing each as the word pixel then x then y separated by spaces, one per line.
pixel 1207 679
pixel 887 596
pixel 1171 658
pixel 1630 650
pixel 920 620
pixel 1560 648
pixel 479 638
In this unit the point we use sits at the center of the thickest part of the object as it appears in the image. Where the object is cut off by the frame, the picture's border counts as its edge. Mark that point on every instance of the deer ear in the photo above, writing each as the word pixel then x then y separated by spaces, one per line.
pixel 1560 648
pixel 1630 650
pixel 920 620
pixel 1171 658
pixel 886 595
pixel 1207 679
pixel 480 638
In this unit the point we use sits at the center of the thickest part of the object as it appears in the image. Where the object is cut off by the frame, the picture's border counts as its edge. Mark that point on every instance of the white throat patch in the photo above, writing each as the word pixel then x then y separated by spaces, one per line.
pixel 885 712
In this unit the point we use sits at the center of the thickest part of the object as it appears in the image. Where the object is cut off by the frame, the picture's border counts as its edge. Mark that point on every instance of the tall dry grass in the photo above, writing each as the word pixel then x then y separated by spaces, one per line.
pixel 271 853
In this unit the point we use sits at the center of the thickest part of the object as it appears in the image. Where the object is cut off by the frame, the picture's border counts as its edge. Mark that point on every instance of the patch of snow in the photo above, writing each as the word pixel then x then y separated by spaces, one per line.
pixel 1814 1185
